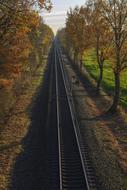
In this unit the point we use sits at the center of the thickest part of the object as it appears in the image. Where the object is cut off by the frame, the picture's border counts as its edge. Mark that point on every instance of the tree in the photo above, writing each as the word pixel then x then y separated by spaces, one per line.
pixel 76 28
pixel 23 38
pixel 18 22
pixel 101 37
pixel 11 10
pixel 41 39
pixel 71 31
pixel 115 13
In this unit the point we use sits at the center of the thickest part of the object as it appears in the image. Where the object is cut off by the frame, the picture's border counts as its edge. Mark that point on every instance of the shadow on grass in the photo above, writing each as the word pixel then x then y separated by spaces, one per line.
pixel 29 172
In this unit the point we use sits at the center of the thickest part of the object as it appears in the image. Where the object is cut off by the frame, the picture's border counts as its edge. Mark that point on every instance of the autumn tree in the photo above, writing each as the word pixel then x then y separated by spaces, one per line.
pixel 100 25
pixel 71 36
pixel 22 31
pixel 115 13
pixel 100 36
pixel 11 10
pixel 41 39
pixel 62 38
pixel 18 22
pixel 76 27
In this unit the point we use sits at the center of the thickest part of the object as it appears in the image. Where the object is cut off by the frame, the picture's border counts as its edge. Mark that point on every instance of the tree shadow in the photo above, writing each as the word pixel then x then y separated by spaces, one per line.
pixel 29 172
pixel 105 116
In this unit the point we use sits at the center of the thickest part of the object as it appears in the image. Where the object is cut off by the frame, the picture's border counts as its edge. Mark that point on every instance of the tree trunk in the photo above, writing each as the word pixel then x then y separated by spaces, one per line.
pixel 116 98
pixel 81 65
pixel 81 62
pixel 100 60
pixel 75 58
pixel 100 77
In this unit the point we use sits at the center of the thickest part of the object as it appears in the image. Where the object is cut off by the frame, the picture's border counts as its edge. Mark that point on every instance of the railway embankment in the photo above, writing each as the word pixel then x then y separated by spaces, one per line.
pixel 105 135
pixel 16 134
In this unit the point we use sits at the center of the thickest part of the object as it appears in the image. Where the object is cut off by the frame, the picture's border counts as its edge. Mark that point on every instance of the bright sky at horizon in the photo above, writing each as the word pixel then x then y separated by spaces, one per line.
pixel 56 19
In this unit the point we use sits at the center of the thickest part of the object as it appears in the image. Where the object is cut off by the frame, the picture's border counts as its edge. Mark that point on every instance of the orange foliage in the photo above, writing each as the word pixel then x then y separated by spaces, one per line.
pixel 19 36
pixel 5 83
pixel 13 68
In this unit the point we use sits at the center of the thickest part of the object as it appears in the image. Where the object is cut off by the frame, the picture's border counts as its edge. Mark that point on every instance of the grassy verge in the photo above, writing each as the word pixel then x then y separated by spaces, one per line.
pixel 91 65
pixel 16 127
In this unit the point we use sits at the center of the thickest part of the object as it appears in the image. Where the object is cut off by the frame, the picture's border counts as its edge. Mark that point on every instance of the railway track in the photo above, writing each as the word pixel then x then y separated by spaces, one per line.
pixel 68 163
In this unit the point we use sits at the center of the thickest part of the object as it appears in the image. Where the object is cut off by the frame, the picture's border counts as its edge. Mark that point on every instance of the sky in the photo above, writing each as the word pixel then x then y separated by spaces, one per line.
pixel 56 19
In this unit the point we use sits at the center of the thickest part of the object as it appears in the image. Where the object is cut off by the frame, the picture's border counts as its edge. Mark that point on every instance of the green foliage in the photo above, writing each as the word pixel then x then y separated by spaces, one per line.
pixel 91 65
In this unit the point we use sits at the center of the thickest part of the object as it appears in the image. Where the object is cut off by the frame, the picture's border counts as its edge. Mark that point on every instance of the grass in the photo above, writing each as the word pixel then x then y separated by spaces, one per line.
pixel 91 66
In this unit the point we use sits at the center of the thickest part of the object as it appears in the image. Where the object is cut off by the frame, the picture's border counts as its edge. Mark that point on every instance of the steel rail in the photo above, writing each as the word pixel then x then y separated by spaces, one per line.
pixel 73 115
pixel 58 122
